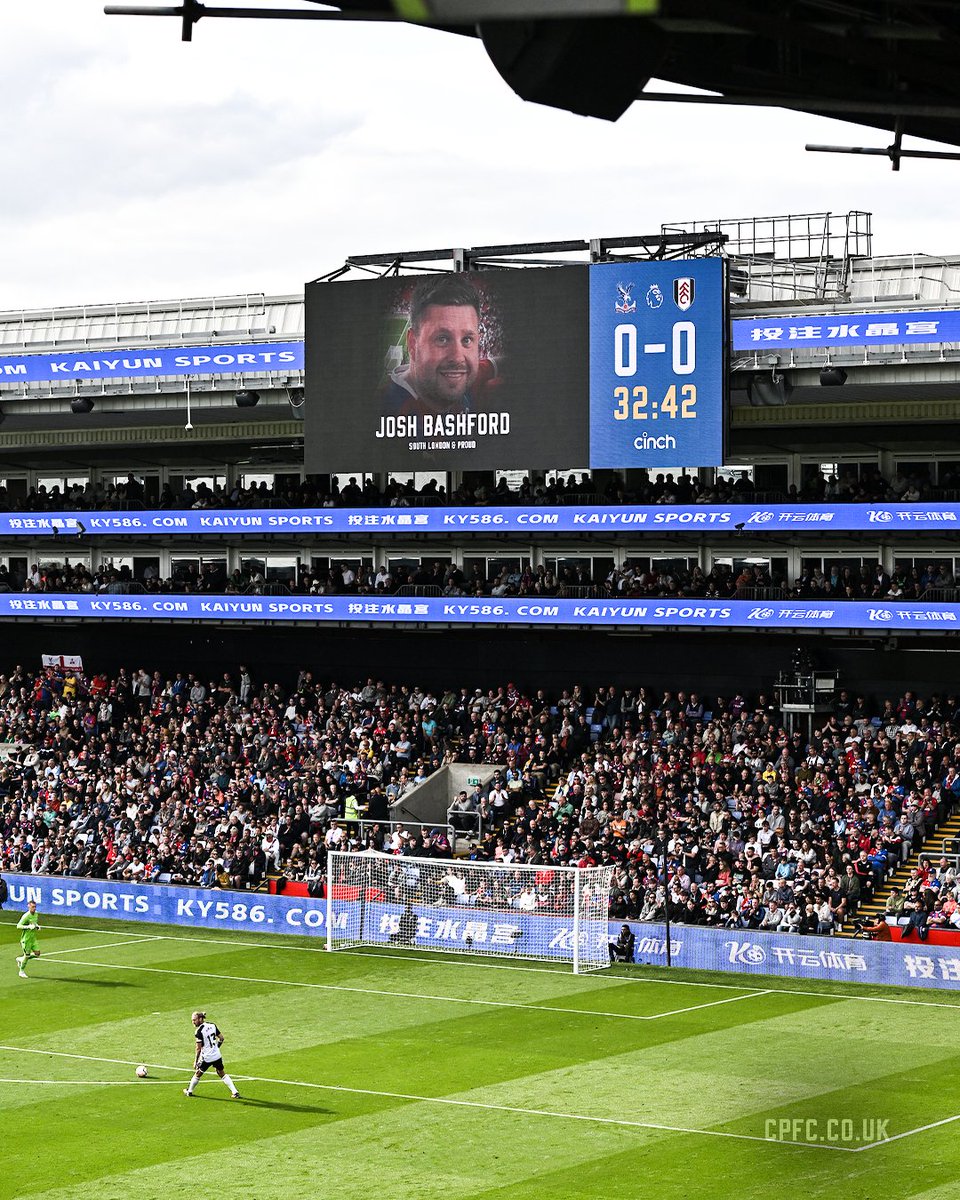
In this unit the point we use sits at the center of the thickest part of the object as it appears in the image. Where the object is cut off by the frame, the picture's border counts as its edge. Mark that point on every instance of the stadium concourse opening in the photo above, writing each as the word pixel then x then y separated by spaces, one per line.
pixel 535 658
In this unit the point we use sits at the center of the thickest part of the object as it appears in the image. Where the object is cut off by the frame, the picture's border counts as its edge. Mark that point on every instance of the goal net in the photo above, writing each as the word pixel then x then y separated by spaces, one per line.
pixel 503 910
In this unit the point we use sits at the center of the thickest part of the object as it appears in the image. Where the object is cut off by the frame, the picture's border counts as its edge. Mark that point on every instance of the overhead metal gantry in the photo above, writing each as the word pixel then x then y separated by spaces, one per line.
pixel 888 64
pixel 663 245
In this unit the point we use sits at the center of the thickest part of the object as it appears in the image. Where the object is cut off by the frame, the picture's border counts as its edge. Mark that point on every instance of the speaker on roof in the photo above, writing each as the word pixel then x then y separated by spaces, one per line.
pixel 595 67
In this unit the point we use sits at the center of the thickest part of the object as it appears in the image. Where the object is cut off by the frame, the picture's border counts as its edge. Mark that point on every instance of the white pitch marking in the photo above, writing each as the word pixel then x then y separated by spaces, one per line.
pixel 616 980
pixel 336 987
pixel 90 1082
pixel 710 1004
pixel 596 977
pixel 454 1103
pixel 908 1133
pixel 91 929
pixel 119 1062
pixel 544 1112
pixel 104 946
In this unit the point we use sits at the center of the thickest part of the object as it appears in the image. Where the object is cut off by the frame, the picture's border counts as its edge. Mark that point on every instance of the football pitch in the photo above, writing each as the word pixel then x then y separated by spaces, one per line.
pixel 378 1073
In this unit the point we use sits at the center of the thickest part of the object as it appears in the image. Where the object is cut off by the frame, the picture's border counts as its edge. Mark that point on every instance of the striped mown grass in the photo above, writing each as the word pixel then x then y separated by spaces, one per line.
pixel 372 1073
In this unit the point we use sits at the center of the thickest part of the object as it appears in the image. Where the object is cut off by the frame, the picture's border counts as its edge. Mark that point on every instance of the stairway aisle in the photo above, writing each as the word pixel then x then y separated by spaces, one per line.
pixel 871 910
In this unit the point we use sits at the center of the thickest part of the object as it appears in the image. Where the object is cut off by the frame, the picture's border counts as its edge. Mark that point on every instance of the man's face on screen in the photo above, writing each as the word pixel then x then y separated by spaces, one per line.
pixel 444 353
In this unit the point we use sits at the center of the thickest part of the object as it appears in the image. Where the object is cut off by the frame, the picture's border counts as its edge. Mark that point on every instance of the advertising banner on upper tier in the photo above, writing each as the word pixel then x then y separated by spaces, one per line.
pixel 507 610
pixel 806 330
pixel 809 331
pixel 260 358
pixel 463 927
pixel 773 518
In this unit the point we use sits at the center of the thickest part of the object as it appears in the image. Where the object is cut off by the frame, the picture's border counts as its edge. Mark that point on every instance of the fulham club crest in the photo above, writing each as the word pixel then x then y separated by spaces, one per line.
pixel 683 290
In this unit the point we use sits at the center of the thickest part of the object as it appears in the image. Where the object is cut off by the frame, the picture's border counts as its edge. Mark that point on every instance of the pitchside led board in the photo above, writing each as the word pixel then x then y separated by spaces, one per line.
pixel 611 365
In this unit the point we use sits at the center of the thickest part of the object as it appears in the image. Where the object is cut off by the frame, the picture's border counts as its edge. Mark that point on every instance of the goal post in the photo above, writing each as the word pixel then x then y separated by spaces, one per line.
pixel 502 910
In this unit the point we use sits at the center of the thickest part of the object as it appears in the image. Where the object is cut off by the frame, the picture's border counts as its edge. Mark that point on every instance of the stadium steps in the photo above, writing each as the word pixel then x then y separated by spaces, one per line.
pixel 872 910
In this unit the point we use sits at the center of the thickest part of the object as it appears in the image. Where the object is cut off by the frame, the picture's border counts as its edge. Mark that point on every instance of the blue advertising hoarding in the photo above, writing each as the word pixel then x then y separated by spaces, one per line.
pixel 163 904
pixel 842 960
pixel 805 330
pixel 882 615
pixel 657 364
pixel 811 331
pixel 743 952
pixel 258 358
pixel 926 517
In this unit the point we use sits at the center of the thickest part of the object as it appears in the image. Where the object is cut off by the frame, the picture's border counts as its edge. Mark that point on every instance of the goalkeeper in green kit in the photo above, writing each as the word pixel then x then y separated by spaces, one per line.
pixel 29 926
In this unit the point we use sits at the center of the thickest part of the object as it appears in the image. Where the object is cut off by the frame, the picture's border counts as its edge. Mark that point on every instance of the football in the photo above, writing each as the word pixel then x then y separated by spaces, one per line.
pixel 141 1072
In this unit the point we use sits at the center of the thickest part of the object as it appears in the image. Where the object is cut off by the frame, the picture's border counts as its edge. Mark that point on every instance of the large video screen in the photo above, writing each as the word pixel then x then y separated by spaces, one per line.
pixel 657 364
pixel 613 365
pixel 471 371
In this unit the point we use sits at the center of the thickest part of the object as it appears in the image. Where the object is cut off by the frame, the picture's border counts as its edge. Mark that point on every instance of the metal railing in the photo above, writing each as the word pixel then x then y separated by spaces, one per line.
pixel 760 593
pixel 463 822
pixel 948 595
pixel 124 587
pixel 366 824
pixel 580 591
pixel 419 589
pixel 268 588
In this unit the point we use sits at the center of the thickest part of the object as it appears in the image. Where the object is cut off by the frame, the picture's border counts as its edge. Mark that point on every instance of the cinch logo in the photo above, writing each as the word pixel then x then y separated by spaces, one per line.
pixel 881 614
pixel 746 953
pixel 648 441
pixel 879 516
pixel 760 614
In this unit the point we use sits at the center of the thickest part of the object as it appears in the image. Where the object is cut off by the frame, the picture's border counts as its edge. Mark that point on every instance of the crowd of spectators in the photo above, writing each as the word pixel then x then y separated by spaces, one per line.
pixel 357 492
pixel 633 580
pixel 709 807
pixel 930 899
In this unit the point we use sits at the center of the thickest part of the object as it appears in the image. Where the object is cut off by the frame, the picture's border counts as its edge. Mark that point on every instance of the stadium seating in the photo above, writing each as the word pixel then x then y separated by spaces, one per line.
pixel 234 783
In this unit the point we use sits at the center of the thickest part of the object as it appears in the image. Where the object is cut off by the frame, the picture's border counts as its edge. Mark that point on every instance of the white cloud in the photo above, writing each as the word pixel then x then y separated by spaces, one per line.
pixel 263 153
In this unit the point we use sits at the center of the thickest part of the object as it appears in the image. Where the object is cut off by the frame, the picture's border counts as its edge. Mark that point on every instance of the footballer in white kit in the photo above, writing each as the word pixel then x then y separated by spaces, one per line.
pixel 209 1040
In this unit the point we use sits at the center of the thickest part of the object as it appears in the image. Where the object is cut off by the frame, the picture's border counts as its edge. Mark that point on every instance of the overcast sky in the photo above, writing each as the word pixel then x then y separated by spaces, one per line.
pixel 138 167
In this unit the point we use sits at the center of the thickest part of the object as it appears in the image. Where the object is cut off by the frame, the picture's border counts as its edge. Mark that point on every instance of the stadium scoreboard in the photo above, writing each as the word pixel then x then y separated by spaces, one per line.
pixel 657 363
pixel 610 365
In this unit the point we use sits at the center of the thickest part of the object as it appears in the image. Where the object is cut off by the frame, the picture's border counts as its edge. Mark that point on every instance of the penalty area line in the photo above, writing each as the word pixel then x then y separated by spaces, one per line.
pixel 473 1001
pixel 138 941
pixel 430 959
pixel 896 1137
pixel 453 1102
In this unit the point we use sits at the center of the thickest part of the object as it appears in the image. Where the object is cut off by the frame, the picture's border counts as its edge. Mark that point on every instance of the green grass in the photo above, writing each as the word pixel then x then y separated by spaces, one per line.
pixel 420 1077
